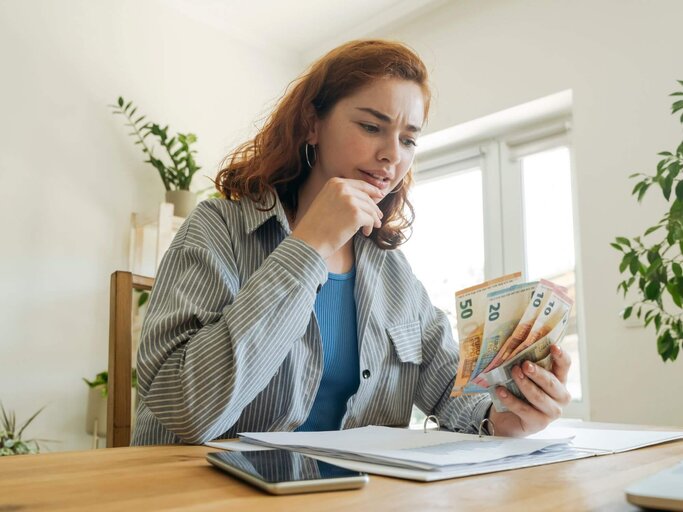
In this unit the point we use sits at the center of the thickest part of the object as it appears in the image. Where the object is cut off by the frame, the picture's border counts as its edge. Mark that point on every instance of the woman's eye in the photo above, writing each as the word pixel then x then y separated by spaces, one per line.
pixel 370 128
pixel 409 142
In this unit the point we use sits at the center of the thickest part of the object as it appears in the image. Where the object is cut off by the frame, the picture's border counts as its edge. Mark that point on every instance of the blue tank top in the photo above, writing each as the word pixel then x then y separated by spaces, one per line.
pixel 335 309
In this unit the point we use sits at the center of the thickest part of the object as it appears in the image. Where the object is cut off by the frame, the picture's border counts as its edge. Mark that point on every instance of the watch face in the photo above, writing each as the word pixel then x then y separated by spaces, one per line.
pixel 283 466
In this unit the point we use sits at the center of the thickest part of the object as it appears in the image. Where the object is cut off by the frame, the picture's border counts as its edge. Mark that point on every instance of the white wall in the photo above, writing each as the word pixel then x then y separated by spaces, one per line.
pixel 621 59
pixel 70 176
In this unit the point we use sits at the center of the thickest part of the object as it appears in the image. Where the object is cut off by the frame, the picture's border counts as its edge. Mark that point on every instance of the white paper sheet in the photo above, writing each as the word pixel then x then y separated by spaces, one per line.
pixel 608 440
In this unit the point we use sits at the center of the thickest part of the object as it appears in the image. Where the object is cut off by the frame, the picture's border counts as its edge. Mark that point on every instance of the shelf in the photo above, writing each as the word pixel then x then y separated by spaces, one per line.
pixel 150 238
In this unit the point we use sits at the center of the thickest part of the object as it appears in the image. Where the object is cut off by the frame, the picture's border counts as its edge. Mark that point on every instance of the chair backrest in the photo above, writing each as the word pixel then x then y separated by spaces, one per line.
pixel 120 355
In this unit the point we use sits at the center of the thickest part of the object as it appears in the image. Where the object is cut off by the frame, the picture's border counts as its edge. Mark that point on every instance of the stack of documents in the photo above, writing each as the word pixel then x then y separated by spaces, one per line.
pixel 439 455
pixel 415 449
pixel 502 323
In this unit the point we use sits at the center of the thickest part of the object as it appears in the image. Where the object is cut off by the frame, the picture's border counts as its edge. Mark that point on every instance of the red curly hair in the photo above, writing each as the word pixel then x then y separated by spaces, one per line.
pixel 274 162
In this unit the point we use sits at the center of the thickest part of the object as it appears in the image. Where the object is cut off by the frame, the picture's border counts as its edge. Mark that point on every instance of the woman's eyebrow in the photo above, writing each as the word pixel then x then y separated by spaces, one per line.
pixel 384 117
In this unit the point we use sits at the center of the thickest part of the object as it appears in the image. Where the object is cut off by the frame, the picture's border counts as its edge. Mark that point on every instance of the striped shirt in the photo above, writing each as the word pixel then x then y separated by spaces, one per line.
pixel 230 342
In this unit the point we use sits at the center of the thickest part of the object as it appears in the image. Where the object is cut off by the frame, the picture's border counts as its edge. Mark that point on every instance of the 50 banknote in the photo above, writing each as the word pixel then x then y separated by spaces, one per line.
pixel 470 306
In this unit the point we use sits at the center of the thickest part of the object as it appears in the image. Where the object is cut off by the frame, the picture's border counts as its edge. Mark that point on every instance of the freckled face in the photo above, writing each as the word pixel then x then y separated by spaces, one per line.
pixel 371 134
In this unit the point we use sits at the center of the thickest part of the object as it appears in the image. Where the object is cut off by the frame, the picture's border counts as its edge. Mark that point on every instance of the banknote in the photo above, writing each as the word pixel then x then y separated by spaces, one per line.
pixel 539 299
pixel 558 306
pixel 504 309
pixel 538 353
pixel 470 306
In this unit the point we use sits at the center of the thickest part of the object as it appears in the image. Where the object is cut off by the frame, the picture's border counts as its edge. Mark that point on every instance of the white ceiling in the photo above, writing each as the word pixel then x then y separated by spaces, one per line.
pixel 304 28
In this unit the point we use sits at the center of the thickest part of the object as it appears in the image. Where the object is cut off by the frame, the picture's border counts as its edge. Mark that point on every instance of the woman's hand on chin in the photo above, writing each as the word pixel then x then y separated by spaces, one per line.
pixel 340 209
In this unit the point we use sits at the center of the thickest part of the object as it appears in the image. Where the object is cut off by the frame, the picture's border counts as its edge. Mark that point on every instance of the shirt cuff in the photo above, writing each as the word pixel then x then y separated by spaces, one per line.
pixel 301 261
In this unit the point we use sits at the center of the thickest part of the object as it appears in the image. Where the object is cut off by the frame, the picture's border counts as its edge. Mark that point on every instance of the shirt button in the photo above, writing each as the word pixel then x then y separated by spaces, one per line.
pixel 320 287
pixel 366 374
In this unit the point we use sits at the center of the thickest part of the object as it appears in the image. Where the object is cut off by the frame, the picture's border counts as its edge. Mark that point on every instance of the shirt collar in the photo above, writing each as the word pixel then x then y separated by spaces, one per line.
pixel 257 214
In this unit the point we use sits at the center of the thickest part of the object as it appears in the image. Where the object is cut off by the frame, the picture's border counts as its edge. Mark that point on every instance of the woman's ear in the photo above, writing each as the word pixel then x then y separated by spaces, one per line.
pixel 312 122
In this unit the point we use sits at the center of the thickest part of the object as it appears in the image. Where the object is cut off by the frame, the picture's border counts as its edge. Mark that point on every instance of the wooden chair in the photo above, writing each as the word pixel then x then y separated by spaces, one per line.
pixel 120 355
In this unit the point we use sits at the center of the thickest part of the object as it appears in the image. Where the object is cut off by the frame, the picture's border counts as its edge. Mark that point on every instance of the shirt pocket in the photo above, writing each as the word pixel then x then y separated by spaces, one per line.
pixel 407 340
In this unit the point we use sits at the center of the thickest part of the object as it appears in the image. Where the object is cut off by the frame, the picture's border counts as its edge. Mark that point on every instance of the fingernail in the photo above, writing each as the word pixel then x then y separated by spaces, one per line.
pixel 502 393
pixel 530 368
pixel 518 371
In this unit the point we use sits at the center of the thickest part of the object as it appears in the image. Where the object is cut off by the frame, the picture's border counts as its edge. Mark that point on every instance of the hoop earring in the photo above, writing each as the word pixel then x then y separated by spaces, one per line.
pixel 403 181
pixel 315 156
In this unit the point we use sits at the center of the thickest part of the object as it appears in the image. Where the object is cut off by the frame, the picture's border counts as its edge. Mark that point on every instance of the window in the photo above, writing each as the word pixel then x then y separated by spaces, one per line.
pixel 549 235
pixel 496 208
pixel 448 255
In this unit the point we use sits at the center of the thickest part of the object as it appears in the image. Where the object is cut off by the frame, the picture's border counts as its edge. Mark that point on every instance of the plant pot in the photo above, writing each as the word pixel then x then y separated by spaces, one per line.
pixel 183 201
pixel 97 410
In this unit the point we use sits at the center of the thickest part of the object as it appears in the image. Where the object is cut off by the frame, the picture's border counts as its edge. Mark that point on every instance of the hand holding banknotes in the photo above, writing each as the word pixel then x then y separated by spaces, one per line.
pixel 509 335
pixel 545 391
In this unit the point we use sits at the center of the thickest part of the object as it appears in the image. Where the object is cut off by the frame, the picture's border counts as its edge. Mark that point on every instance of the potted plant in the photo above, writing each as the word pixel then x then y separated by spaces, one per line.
pixel 653 262
pixel 96 415
pixel 178 166
pixel 11 442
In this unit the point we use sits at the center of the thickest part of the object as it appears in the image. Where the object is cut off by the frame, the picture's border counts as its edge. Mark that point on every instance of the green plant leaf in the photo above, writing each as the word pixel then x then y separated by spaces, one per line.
pixel 652 229
pixel 625 261
pixel 652 290
pixel 673 291
pixel 28 422
pixel 627 312
pixel 667 183
pixel 666 346
pixel 120 101
pixel 653 254
pixel 677 270
pixel 637 187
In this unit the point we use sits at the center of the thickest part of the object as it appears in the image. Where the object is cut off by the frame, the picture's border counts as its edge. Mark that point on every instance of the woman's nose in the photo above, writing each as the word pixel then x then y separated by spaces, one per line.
pixel 390 151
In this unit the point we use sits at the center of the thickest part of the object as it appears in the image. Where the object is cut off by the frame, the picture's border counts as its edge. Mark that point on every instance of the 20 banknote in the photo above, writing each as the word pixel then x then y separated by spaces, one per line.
pixel 502 323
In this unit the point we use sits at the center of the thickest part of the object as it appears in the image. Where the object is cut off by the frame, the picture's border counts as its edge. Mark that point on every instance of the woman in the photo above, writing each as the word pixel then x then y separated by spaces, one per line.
pixel 285 305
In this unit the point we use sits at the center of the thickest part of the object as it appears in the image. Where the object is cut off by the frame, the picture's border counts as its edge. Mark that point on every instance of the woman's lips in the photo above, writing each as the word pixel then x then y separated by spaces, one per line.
pixel 380 183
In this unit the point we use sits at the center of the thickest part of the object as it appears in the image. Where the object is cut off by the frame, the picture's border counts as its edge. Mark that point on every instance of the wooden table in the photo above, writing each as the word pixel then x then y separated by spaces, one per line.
pixel 179 478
